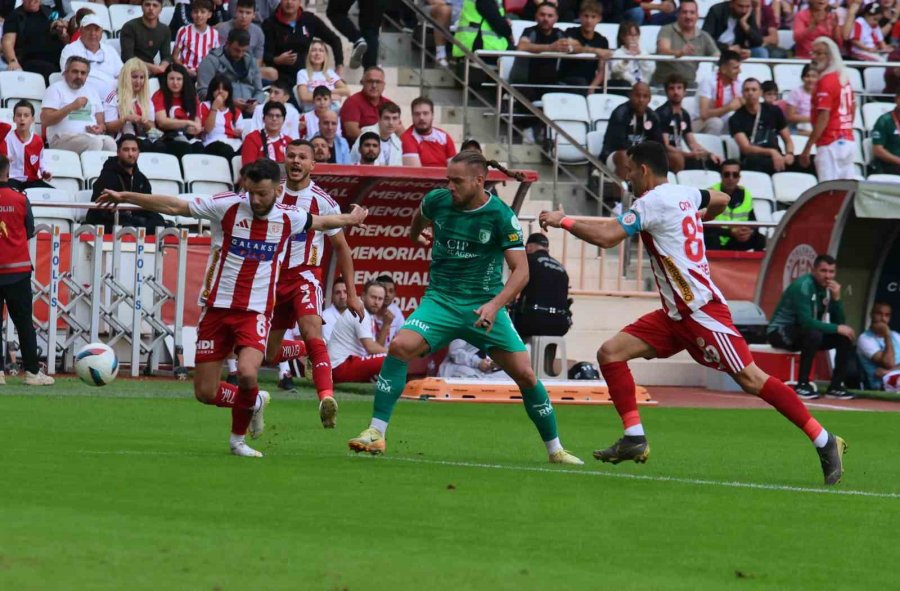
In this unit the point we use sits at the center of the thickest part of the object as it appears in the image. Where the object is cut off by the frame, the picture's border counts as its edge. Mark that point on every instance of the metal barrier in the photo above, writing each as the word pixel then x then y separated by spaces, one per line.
pixel 123 303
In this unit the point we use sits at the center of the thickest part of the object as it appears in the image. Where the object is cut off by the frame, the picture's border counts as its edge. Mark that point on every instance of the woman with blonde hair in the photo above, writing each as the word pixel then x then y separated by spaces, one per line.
pixel 319 71
pixel 128 109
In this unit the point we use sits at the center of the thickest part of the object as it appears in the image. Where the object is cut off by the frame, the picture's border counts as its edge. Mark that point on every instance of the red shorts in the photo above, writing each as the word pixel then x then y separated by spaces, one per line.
pixel 297 294
pixel 222 331
pixel 358 369
pixel 708 335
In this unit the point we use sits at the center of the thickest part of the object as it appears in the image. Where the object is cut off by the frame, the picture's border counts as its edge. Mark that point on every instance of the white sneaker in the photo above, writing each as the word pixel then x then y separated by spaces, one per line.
pixel 328 408
pixel 244 450
pixel 257 424
pixel 2 379
pixel 528 136
pixel 442 62
pixel 38 379
pixel 359 50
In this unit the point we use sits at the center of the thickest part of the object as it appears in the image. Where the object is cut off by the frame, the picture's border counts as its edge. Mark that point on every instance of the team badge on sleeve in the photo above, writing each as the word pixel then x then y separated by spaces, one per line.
pixel 630 221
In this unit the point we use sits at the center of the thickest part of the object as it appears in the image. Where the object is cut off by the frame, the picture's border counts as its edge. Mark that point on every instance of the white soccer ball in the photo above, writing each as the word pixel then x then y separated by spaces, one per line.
pixel 96 364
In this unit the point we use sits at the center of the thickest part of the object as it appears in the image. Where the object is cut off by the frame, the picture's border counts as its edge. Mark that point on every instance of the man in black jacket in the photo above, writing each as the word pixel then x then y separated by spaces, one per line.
pixel 543 307
pixel 120 173
pixel 289 31
pixel 733 26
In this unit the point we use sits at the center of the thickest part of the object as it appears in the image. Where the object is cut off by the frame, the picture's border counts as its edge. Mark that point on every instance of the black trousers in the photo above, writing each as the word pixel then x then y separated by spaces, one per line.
pixel 809 342
pixel 540 324
pixel 370 14
pixel 17 297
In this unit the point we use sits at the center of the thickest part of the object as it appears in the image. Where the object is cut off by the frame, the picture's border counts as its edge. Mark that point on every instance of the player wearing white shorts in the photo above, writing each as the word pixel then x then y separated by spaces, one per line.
pixel 833 109
pixel 694 316
pixel 249 234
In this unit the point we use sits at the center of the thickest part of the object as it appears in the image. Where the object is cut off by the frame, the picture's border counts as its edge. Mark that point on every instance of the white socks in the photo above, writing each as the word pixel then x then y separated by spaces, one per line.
pixel 284 369
pixel 440 52
pixel 821 440
pixel 232 365
pixel 235 439
pixel 553 445
pixel 378 424
pixel 635 430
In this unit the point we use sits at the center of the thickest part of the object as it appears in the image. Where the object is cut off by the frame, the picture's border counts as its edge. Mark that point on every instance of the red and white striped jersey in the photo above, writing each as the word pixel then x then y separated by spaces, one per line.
pixel 227 124
pixel 306 249
pixel 246 251
pixel 24 156
pixel 672 232
pixel 192 45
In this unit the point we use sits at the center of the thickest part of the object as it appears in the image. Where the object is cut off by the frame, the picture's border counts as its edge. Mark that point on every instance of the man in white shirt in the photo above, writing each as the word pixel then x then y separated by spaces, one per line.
pixel 720 95
pixel 387 127
pixel 72 113
pixel 332 313
pixel 104 60
pixel 878 349
pixel 356 349
pixel 467 361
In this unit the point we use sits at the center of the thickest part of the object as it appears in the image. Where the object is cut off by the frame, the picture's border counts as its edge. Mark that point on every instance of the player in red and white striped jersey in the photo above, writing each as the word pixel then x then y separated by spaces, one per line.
pixel 250 232
pixel 193 42
pixel 695 316
pixel 299 296
pixel 24 148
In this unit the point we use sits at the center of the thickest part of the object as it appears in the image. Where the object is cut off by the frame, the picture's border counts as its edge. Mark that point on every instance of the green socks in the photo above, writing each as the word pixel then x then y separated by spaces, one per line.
pixel 539 409
pixel 389 387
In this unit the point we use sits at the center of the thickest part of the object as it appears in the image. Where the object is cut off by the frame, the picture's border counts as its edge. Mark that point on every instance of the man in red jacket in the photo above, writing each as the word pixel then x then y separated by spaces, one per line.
pixel 16 229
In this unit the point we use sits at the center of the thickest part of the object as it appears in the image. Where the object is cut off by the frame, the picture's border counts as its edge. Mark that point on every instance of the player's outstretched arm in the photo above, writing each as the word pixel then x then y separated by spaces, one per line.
pixel 356 217
pixel 164 204
pixel 718 201
pixel 605 233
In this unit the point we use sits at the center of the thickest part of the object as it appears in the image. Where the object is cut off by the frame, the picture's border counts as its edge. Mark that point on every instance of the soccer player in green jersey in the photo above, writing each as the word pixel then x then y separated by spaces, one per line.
pixel 472 233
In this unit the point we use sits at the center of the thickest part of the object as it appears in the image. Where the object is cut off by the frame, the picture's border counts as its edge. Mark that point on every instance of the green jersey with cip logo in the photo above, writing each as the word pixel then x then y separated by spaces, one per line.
pixel 467 251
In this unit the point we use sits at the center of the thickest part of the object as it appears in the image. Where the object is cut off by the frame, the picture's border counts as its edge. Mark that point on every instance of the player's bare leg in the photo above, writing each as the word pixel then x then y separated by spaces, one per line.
pixel 830 447
pixel 247 412
pixel 405 347
pixel 537 403
pixel 613 358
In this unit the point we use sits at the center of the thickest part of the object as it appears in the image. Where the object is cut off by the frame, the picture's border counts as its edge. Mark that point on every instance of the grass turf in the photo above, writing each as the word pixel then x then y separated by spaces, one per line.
pixel 131 487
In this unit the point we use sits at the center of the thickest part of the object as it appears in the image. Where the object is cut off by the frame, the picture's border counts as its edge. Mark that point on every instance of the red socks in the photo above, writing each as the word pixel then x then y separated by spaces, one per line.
pixel 622 391
pixel 786 401
pixel 225 395
pixel 242 411
pixel 321 364
pixel 291 350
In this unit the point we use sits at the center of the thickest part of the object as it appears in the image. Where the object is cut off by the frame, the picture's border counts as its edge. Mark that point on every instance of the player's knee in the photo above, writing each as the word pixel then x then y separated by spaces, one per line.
pixel 402 350
pixel 525 378
pixel 247 380
pixel 751 379
pixel 204 393
pixel 607 353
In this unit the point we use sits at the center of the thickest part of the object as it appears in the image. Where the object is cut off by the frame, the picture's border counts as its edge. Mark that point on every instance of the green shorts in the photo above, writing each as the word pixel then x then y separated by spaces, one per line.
pixel 439 322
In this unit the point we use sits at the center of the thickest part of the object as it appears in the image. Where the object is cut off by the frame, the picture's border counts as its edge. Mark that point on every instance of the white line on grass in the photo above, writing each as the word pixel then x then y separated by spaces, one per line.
pixel 693 481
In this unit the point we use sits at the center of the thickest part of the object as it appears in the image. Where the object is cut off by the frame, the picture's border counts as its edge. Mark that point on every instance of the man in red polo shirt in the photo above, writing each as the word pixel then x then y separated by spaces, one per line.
pixel 423 144
pixel 361 109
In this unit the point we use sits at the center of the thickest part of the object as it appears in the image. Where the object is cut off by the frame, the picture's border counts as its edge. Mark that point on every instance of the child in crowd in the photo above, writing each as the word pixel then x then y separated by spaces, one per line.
pixel 586 73
pixel 279 92
pixel 626 72
pixel 24 148
pixel 309 122
pixel 867 40
pixel 798 103
pixel 193 42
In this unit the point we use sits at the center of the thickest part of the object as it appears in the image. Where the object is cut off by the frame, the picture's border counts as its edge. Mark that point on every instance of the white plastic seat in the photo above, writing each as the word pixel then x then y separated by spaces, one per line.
pixel 787 76
pixel 759 184
pixel 649 34
pixel 164 187
pixel 83 196
pixel 18 84
pixel 711 143
pixel 732 149
pixel 504 66
pixel 92 162
pixel 204 173
pixel 610 31
pixel 761 72
pixel 656 101
pixel 691 104
pixel 100 11
pixel 884 178
pixel 872 111
pixel 763 209
pixel 701 179
pixel 601 106
pixel 800 142
pixel 873 79
pixel 518 27
pixel 159 166
pixel 856 80
pixel 236 165
pixel 166 14
pixel 594 141
pixel 6 115
pixel 56 215
pixel 54 78
pixel 116 44
pixel 119 14
pixel 867 149
pixel 566 152
pixel 63 164
pixel 789 186
pixel 703 7
pixel 785 39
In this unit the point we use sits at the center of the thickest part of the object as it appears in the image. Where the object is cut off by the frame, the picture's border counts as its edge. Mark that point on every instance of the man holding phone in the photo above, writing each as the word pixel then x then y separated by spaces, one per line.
pixel 234 61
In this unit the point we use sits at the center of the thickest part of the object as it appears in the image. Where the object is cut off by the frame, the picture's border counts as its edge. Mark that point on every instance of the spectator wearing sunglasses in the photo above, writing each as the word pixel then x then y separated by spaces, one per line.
pixel 739 209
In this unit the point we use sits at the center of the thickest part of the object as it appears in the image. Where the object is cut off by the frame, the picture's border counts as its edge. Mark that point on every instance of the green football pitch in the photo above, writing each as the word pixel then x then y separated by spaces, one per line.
pixel 131 487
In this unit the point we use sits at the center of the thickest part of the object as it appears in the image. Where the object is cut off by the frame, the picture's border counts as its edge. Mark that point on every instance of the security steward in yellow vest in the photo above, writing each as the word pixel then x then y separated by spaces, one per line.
pixel 16 229
pixel 483 25
pixel 740 209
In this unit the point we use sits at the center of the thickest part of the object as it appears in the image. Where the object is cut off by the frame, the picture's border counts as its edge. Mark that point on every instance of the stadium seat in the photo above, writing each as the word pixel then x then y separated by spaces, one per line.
pixel 732 150
pixel 761 72
pixel 789 186
pixel 656 101
pixel 6 115
pixel 800 142
pixel 594 141
pixel 166 14
pixel 872 111
pixel 186 221
pixel 873 79
pixel 204 173
pixel 711 143
pixel 53 215
pixel 763 209
pixel 65 166
pixel 116 44
pixel 759 184
pixel 894 179
pixel 92 162
pixel 54 78
pixel 601 106
pixel 610 31
pixel 18 84
pixel 867 149
pixel 161 167
pixel 164 187
pixel 691 104
pixel 856 80
pixel 119 14
pixel 570 112
pixel 787 76
pixel 649 34
pixel 100 11
pixel 672 178
pixel 83 196
pixel 235 169
pixel 703 7
pixel 504 67
pixel 518 27
pixel 786 39
pixel 701 179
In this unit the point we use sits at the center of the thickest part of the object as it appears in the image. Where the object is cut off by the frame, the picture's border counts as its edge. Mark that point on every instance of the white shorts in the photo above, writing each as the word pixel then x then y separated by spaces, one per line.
pixel 836 161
